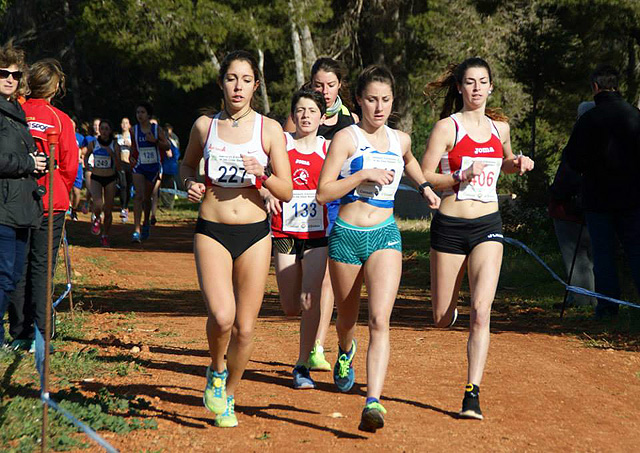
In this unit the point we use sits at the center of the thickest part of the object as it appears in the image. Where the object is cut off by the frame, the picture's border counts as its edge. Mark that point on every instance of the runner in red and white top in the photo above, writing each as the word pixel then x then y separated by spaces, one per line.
pixel 299 229
pixel 470 148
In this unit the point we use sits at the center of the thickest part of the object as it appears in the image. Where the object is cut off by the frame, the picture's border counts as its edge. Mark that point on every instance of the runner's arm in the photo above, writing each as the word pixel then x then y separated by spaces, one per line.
pixel 279 183
pixel 193 155
pixel 413 171
pixel 329 186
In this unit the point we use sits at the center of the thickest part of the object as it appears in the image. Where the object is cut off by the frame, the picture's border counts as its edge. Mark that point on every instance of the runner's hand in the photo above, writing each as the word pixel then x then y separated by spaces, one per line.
pixel 150 137
pixel 378 176
pixel 273 205
pixel 431 197
pixel 195 191
pixel 252 166
pixel 472 171
pixel 524 163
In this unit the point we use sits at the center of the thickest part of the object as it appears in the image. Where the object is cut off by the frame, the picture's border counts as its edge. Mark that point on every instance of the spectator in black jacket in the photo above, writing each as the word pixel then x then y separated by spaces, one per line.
pixel 605 148
pixel 20 204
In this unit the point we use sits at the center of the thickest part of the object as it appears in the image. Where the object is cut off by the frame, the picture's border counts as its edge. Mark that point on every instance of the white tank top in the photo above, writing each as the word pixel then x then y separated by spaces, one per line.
pixel 366 156
pixel 223 161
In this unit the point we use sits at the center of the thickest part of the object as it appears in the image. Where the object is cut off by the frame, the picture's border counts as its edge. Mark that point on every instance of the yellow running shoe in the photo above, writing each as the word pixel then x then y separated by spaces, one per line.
pixel 228 418
pixel 317 362
pixel 215 393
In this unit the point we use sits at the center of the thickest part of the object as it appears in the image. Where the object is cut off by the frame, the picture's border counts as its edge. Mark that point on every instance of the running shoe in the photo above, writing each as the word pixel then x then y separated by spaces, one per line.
pixel 471 403
pixel 146 231
pixel 317 362
pixel 302 378
pixel 215 393
pixel 343 374
pixel 74 215
pixel 153 220
pixel 372 417
pixel 135 237
pixel 228 418
pixel 21 344
pixel 104 241
pixel 124 215
pixel 453 319
pixel 95 226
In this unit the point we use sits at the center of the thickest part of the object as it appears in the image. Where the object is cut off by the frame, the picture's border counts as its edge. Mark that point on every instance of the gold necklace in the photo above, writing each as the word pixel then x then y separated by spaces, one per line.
pixel 235 120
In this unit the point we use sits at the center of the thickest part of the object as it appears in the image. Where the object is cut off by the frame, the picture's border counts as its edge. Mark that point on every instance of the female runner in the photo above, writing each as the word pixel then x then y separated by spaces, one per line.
pixel 327 77
pixel 106 165
pixel 299 229
pixel 471 147
pixel 125 175
pixel 148 145
pixel 363 169
pixel 232 245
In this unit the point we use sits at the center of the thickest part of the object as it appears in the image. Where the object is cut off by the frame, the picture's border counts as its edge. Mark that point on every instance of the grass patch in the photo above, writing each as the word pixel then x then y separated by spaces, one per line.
pixel 21 409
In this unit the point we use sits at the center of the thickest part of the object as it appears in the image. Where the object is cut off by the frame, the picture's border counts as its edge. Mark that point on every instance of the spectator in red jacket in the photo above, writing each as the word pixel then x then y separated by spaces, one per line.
pixel 28 302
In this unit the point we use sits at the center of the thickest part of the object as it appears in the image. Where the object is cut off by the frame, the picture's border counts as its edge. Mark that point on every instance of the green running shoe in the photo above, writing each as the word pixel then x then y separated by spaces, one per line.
pixel 215 393
pixel 317 362
pixel 372 417
pixel 228 418
pixel 343 374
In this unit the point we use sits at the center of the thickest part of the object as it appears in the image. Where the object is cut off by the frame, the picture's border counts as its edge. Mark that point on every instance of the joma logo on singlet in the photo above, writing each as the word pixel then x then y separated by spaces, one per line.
pixel 484 150
pixel 302 162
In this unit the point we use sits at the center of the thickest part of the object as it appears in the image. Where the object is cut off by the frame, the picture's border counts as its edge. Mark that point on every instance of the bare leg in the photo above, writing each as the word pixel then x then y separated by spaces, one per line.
pixel 326 308
pixel 346 280
pixel 447 271
pixel 109 195
pixel 382 296
pixel 289 278
pixel 313 269
pixel 484 271
pixel 98 200
pixel 250 272
pixel 139 182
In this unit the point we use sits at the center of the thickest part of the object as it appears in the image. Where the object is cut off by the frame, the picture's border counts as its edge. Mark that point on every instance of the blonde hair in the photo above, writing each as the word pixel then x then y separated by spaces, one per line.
pixel 46 79
pixel 10 55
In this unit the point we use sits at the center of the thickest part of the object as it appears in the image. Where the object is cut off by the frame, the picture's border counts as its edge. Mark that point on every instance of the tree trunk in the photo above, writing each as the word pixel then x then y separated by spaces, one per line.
pixel 309 48
pixel 632 73
pixel 534 115
pixel 72 70
pixel 263 84
pixel 297 49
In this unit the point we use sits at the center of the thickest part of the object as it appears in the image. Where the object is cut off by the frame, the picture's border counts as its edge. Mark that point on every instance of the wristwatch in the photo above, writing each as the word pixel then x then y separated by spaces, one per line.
pixel 264 177
pixel 422 186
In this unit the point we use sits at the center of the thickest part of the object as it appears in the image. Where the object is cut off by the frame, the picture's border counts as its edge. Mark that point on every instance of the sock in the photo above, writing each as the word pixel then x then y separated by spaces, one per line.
pixel 472 389
pixel 301 363
pixel 371 400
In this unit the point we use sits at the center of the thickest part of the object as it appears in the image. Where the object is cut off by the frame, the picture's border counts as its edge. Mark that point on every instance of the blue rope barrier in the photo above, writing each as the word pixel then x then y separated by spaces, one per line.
pixel 39 358
pixel 573 289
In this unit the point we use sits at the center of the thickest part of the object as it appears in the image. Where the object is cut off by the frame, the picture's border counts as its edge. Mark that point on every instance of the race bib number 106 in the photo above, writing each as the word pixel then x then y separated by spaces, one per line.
pixel 483 186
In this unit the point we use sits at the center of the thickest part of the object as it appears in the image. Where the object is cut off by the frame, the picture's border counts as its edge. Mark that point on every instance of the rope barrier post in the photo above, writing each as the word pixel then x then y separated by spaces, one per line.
pixel 67 263
pixel 52 138
pixel 573 263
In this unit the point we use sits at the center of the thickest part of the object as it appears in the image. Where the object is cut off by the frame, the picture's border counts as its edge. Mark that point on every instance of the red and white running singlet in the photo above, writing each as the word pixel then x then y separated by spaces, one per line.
pixel 303 217
pixel 223 164
pixel 464 153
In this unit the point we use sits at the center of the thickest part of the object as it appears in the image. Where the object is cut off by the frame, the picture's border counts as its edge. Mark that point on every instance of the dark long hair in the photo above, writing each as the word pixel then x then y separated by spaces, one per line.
pixel 449 82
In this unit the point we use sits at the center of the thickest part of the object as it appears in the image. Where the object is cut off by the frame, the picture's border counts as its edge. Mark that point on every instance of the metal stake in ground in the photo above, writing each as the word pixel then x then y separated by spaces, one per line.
pixel 573 263
pixel 52 139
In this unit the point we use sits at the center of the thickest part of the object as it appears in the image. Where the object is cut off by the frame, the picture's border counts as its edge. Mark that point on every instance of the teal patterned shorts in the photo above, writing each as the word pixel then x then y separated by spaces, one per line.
pixel 353 244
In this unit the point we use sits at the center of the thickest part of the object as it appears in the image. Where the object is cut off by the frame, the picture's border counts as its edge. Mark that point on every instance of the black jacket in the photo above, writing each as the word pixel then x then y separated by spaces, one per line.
pixel 20 204
pixel 605 148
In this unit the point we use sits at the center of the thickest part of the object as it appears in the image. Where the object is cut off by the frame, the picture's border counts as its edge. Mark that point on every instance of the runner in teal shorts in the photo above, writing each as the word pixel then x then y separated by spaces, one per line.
pixel 365 243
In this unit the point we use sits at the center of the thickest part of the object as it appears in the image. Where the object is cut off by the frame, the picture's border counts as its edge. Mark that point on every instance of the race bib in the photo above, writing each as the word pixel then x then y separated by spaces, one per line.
pixel 303 213
pixel 102 161
pixel 391 162
pixel 148 155
pixel 229 172
pixel 483 186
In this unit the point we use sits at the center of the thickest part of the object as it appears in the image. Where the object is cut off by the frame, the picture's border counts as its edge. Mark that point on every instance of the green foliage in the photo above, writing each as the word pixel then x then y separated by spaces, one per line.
pixel 21 419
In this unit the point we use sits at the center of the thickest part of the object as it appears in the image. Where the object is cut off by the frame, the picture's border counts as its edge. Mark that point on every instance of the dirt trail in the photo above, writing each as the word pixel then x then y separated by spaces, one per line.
pixel 541 392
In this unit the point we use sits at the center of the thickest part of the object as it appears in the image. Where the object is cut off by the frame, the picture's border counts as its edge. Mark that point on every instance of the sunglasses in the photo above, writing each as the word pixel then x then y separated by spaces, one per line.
pixel 4 74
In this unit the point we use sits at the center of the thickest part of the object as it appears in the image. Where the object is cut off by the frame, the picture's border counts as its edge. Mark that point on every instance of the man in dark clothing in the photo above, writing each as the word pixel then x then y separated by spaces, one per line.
pixel 605 148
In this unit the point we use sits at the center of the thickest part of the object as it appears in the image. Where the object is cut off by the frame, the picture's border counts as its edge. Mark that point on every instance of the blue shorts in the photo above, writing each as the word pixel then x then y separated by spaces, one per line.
pixel 354 245
pixel 149 174
pixel 79 177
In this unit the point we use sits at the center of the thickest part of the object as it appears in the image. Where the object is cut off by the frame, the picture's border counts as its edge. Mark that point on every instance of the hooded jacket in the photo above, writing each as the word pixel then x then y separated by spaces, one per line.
pixel 20 204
